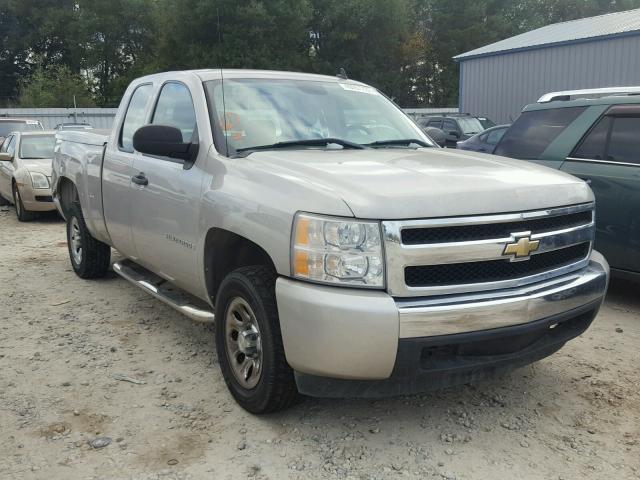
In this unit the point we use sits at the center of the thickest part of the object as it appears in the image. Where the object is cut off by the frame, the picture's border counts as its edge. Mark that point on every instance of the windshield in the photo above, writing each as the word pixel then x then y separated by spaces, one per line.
pixel 37 147
pixel 7 127
pixel 259 112
pixel 470 125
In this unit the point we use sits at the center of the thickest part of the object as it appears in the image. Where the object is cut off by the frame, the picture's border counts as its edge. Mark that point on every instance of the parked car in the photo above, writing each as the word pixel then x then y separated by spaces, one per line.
pixel 8 125
pixel 437 135
pixel 73 126
pixel 340 252
pixel 597 139
pixel 25 172
pixel 456 128
pixel 484 142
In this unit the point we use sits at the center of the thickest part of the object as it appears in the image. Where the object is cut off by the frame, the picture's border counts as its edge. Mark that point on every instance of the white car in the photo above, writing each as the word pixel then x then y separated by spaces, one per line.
pixel 25 172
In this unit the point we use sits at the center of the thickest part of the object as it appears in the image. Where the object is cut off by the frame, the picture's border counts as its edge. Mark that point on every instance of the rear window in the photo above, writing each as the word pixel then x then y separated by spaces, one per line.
pixel 533 132
pixel 623 146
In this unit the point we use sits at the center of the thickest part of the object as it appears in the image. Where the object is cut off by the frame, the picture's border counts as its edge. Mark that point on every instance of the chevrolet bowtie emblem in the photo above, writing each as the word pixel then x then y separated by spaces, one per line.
pixel 522 247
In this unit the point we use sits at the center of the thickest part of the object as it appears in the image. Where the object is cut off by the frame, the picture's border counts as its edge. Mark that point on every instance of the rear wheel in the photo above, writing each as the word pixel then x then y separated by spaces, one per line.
pixel 90 258
pixel 22 213
pixel 249 342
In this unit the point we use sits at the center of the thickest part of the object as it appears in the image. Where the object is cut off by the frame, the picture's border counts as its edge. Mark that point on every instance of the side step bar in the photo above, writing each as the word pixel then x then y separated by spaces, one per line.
pixel 160 288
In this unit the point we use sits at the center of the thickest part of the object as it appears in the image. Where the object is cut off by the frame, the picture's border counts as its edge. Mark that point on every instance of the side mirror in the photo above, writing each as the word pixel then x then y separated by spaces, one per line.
pixel 163 141
pixel 6 157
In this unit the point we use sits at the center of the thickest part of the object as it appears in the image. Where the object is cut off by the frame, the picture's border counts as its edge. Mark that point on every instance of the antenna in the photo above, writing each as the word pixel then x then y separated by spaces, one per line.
pixel 343 74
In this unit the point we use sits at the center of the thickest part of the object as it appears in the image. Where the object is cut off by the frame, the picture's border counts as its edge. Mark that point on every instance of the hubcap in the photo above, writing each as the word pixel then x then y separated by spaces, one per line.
pixel 244 346
pixel 76 241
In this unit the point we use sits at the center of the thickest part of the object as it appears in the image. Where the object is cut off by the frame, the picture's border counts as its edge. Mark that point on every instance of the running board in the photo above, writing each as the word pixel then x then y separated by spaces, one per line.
pixel 164 291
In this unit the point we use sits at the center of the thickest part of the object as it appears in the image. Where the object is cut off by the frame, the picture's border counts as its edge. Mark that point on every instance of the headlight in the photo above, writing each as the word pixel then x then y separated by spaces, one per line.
pixel 337 251
pixel 38 180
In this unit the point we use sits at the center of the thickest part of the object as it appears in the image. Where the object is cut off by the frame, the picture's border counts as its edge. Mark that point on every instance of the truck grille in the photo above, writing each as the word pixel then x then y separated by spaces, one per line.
pixel 467 254
pixel 461 233
pixel 493 270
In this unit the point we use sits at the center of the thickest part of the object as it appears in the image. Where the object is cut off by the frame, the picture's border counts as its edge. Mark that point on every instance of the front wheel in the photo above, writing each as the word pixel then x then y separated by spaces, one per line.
pixel 90 258
pixel 22 213
pixel 249 342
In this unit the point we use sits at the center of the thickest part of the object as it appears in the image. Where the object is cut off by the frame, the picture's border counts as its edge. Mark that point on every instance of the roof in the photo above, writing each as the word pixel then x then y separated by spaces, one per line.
pixel 584 29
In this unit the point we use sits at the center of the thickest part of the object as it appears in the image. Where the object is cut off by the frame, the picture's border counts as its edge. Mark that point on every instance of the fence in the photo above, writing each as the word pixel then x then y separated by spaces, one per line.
pixel 50 117
pixel 103 117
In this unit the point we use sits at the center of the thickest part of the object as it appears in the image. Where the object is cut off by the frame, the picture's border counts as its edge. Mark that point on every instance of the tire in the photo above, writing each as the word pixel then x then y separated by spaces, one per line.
pixel 23 214
pixel 252 289
pixel 89 257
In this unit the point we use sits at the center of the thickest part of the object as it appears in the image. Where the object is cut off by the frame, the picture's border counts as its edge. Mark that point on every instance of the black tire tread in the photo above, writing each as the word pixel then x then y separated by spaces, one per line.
pixel 282 386
pixel 24 215
pixel 96 256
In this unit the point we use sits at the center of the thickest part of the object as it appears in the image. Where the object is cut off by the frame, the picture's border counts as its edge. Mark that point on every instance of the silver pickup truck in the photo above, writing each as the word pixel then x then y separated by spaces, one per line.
pixel 341 252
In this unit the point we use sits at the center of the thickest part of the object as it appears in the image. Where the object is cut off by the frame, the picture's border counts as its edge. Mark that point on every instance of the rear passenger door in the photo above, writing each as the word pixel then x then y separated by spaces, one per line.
pixel 608 157
pixel 117 170
pixel 166 210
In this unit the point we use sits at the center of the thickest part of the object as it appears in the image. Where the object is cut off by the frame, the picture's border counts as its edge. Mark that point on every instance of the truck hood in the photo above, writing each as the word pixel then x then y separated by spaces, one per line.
pixel 427 183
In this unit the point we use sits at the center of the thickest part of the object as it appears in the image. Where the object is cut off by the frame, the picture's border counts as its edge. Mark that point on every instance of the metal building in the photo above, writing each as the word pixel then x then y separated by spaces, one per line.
pixel 499 79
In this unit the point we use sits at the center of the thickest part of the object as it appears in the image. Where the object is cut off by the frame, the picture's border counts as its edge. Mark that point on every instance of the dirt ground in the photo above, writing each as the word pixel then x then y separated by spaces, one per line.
pixel 70 350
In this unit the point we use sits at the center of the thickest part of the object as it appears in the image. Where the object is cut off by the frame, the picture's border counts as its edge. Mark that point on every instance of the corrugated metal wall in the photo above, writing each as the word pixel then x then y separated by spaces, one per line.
pixel 50 117
pixel 499 86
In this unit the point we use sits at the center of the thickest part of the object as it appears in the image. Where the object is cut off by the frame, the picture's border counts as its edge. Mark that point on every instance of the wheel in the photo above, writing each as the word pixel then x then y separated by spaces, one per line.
pixel 90 258
pixel 249 342
pixel 23 214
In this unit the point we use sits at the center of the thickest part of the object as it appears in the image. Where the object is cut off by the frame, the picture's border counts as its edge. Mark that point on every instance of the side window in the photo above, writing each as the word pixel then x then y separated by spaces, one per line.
pixel 624 143
pixel 494 137
pixel 450 126
pixel 483 138
pixel 175 108
pixel 592 146
pixel 533 132
pixel 135 116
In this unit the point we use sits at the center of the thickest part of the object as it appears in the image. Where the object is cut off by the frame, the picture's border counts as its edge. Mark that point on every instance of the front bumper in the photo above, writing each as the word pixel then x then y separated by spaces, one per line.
pixel 351 334
pixel 37 199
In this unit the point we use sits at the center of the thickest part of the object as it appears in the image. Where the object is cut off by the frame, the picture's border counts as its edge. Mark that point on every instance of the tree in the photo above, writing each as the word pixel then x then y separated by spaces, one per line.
pixel 55 86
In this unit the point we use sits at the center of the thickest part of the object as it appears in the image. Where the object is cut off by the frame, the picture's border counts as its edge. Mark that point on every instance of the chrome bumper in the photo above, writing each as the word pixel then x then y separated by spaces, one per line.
pixel 481 311
pixel 347 333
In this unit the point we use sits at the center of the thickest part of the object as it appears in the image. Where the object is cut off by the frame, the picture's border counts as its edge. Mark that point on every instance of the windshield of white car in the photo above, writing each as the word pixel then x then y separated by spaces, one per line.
pixel 252 113
pixel 7 127
pixel 37 147
pixel 470 125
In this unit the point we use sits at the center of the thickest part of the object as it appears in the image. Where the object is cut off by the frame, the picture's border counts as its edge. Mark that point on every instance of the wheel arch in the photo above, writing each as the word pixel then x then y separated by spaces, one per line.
pixel 67 194
pixel 226 251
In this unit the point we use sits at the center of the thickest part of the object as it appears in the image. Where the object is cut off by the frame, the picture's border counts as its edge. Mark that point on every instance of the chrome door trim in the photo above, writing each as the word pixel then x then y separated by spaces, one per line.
pixel 606 162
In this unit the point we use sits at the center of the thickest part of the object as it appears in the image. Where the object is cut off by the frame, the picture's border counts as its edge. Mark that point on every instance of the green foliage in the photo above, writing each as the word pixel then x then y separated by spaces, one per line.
pixel 403 47
pixel 53 87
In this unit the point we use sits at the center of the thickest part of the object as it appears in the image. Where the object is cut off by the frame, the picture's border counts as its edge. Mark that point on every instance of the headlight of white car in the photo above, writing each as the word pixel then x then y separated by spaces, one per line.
pixel 337 251
pixel 38 180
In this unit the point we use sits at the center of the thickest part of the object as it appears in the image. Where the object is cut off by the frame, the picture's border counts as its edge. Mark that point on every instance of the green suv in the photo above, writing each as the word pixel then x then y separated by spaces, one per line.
pixel 598 140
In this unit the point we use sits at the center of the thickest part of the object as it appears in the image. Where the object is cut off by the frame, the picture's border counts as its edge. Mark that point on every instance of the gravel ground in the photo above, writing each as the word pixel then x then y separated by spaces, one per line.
pixel 82 360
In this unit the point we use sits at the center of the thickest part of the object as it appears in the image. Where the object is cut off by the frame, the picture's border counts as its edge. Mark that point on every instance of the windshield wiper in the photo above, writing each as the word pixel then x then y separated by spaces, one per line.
pixel 404 141
pixel 313 142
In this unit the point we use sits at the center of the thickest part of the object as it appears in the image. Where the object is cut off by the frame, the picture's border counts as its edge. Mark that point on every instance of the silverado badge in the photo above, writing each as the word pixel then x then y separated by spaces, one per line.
pixel 522 247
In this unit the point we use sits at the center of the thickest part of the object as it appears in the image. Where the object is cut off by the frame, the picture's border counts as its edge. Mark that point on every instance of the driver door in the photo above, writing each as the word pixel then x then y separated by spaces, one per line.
pixel 165 211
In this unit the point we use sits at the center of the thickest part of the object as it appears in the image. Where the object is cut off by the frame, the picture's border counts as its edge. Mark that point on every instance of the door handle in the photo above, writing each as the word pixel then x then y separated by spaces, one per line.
pixel 140 179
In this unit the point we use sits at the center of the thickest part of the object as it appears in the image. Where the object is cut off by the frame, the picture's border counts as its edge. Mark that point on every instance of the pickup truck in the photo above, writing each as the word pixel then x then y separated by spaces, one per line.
pixel 340 251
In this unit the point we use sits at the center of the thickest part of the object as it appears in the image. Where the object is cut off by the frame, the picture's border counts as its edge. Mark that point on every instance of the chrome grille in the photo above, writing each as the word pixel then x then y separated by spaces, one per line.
pixel 467 254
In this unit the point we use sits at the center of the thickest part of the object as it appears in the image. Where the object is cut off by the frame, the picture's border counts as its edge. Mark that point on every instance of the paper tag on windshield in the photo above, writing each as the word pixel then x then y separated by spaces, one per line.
pixel 32 122
pixel 359 88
